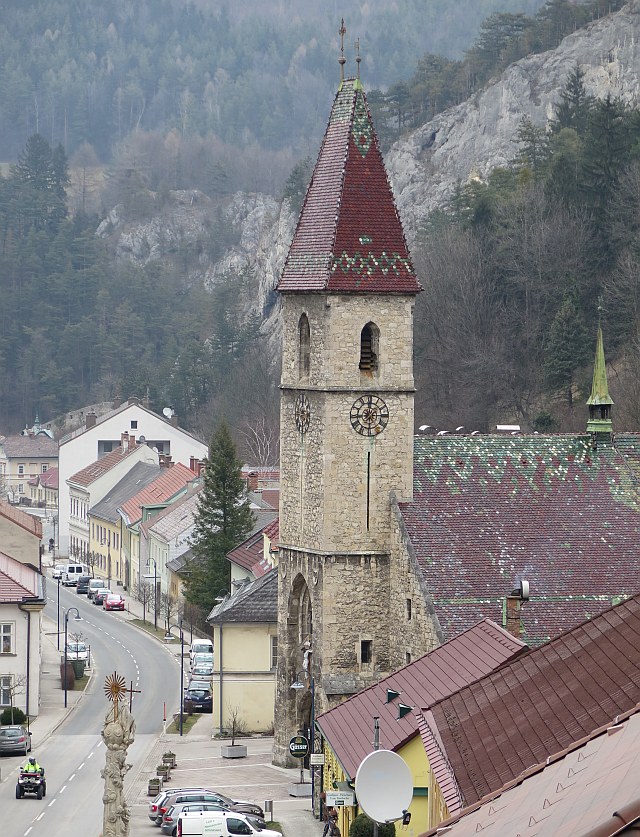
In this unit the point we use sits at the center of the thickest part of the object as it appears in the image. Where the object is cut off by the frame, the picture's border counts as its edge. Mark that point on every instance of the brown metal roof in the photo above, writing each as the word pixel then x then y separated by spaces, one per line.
pixel 542 702
pixel 34 447
pixel 100 467
pixel 590 790
pixel 349 727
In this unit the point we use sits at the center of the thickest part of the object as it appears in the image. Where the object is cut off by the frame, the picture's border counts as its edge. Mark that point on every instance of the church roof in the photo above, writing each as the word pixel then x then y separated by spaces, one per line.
pixel 599 387
pixel 349 236
pixel 540 703
pixel 468 656
pixel 491 510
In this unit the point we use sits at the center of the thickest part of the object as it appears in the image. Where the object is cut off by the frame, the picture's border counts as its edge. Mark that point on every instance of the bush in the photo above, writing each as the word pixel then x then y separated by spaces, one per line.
pixel 362 826
pixel 18 716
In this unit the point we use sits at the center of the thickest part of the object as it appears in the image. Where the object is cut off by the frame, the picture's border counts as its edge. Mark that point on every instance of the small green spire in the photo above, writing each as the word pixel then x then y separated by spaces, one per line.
pixel 600 402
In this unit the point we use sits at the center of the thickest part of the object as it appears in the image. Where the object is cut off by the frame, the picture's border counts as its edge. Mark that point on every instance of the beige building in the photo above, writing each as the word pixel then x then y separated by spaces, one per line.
pixel 25 458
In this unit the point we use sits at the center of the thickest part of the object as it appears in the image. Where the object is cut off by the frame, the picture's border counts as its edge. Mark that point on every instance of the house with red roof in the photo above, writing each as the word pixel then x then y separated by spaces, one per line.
pixel 43 490
pixel 550 740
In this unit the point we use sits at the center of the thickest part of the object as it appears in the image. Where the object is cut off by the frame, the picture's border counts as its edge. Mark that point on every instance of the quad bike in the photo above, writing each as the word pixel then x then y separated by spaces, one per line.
pixel 31 783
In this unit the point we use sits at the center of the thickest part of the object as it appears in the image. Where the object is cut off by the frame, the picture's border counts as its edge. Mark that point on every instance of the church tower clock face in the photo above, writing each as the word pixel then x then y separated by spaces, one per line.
pixel 369 415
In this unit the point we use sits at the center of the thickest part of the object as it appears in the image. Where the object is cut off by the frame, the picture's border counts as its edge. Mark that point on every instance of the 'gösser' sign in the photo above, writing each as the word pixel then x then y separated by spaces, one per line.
pixel 299 746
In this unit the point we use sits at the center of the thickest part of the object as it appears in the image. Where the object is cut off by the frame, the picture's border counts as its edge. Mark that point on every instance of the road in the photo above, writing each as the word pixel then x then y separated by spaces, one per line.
pixel 74 755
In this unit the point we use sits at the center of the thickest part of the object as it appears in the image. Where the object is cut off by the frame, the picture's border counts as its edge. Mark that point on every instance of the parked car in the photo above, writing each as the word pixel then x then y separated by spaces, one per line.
pixel 114 601
pixel 100 595
pixel 202 659
pixel 204 671
pixel 200 646
pixel 58 570
pixel 94 585
pixel 77 651
pixel 82 586
pixel 198 696
pixel 222 824
pixel 15 739
pixel 160 799
pixel 170 819
pixel 213 797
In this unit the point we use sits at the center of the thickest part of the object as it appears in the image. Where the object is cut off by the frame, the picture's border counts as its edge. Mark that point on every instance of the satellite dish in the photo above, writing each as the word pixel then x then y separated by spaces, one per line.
pixel 384 786
pixel 167 412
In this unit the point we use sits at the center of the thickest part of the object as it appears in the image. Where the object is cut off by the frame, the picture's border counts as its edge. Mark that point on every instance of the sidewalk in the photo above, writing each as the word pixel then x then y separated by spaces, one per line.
pixel 198 754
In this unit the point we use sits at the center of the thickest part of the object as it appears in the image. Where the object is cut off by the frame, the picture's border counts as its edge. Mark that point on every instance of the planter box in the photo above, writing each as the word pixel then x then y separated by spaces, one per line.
pixel 164 772
pixel 154 788
pixel 233 751
pixel 170 760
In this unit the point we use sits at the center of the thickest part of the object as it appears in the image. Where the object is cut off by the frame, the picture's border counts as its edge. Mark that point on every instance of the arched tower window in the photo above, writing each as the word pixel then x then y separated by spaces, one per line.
pixel 304 347
pixel 369 344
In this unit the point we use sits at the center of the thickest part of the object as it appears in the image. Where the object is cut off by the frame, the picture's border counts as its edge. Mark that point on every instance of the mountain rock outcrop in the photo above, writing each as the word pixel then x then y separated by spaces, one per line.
pixel 471 139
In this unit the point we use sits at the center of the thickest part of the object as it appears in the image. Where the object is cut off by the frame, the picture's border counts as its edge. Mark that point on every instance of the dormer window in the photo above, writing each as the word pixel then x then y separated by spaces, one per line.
pixel 304 348
pixel 369 340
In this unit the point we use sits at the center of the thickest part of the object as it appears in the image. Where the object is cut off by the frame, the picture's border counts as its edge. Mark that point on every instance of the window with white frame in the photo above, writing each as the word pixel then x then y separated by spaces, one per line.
pixel 5 690
pixel 45 468
pixel 21 470
pixel 20 488
pixel 274 651
pixel 6 638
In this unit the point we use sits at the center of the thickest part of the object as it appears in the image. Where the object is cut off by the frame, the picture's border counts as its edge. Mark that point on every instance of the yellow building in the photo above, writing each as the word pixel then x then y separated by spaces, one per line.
pixel 245 646
pixel 398 701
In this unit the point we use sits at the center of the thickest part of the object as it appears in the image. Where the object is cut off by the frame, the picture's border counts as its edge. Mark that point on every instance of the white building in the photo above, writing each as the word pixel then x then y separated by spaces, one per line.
pixel 100 436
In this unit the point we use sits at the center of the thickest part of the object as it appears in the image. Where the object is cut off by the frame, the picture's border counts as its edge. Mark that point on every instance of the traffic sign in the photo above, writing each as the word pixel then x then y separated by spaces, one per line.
pixel 299 746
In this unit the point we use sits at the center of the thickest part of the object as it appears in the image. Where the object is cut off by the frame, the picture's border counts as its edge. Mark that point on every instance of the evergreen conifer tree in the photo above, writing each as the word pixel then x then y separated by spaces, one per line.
pixel 223 520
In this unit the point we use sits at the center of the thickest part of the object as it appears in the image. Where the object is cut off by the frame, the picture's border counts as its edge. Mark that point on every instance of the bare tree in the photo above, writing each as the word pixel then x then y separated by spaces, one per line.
pixel 261 443
pixel 169 609
pixel 17 685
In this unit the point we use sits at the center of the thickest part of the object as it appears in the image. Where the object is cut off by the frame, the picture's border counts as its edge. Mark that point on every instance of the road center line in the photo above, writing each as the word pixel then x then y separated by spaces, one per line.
pixel 63 788
pixel 81 766
pixel 53 802
pixel 28 830
pixel 90 754
pixel 72 777
pixel 40 816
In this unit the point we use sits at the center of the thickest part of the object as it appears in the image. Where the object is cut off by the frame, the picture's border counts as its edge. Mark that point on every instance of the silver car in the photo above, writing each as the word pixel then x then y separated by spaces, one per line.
pixel 15 739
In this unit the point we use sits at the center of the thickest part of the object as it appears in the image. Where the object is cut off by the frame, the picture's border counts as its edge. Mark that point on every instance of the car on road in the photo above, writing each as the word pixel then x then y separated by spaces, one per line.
pixel 82 586
pixel 198 696
pixel 58 570
pixel 114 601
pixel 100 595
pixel 77 651
pixel 15 739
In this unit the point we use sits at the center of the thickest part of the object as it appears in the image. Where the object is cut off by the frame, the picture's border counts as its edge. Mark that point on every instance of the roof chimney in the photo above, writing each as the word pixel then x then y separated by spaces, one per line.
pixel 195 465
pixel 252 481
pixel 174 420
pixel 90 419
pixel 124 441
pixel 511 607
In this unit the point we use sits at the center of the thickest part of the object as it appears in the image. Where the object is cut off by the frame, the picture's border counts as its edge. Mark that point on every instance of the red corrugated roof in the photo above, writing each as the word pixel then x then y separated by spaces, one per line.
pixel 349 236
pixel 542 702
pixel 162 489
pixel 26 521
pixel 348 727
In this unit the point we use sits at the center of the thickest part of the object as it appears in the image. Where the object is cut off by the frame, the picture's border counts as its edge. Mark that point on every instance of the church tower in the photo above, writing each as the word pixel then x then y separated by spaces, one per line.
pixel 346 422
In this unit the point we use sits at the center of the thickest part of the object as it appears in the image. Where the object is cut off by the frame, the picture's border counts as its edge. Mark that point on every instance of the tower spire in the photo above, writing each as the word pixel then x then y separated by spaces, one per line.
pixel 600 402
pixel 342 60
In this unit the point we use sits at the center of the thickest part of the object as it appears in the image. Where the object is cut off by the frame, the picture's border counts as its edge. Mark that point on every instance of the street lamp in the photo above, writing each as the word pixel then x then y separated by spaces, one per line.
pixel 77 618
pixel 298 685
pixel 155 590
pixel 58 613
pixel 168 635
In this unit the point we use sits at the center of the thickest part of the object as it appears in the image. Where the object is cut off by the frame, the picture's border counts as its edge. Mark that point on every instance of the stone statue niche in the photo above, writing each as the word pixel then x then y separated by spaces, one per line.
pixel 118 733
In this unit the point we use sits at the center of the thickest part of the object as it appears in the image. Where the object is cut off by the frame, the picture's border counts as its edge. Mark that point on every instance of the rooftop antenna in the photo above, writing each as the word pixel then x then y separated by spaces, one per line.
pixel 358 59
pixel 342 60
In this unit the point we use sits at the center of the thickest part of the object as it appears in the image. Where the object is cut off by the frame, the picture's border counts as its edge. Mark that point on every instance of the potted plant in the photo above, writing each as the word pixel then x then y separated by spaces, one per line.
pixel 164 771
pixel 169 758
pixel 154 786
pixel 233 750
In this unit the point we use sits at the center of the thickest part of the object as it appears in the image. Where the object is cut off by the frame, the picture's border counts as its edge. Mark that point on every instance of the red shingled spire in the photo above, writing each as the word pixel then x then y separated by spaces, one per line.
pixel 349 236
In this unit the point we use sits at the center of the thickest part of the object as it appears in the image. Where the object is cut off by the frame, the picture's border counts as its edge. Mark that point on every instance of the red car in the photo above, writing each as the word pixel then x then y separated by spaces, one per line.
pixel 113 602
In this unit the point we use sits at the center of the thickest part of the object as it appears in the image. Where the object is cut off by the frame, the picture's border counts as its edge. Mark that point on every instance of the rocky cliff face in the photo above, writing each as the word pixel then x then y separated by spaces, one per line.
pixel 425 168
pixel 476 136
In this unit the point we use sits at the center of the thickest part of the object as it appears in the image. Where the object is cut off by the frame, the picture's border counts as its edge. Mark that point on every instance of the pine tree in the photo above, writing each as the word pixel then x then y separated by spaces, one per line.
pixel 223 520
pixel 567 347
pixel 575 105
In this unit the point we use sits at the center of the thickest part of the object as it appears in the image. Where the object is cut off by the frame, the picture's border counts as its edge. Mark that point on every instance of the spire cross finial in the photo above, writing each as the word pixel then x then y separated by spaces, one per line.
pixel 358 59
pixel 342 32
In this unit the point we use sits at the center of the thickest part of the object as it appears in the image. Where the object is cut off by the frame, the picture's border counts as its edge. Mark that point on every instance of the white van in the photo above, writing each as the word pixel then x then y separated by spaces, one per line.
pixel 220 824
pixel 58 570
pixel 72 573
pixel 200 646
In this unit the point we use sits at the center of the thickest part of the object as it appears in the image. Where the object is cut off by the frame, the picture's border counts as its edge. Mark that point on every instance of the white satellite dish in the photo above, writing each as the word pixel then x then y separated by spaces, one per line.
pixel 167 412
pixel 384 786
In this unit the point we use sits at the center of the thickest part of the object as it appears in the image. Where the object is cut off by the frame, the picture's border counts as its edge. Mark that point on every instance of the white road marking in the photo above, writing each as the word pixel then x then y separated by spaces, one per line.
pixel 72 777
pixel 28 830
pixel 90 754
pixel 40 816
pixel 53 802
pixel 63 788
pixel 81 766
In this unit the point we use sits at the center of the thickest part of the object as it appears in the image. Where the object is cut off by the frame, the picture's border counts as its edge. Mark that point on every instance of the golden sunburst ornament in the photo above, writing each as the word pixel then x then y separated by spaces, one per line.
pixel 115 689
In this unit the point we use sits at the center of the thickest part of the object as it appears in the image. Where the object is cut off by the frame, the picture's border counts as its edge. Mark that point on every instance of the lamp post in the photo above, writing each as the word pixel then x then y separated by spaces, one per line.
pixel 77 618
pixel 169 636
pixel 298 684
pixel 58 613
pixel 155 590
